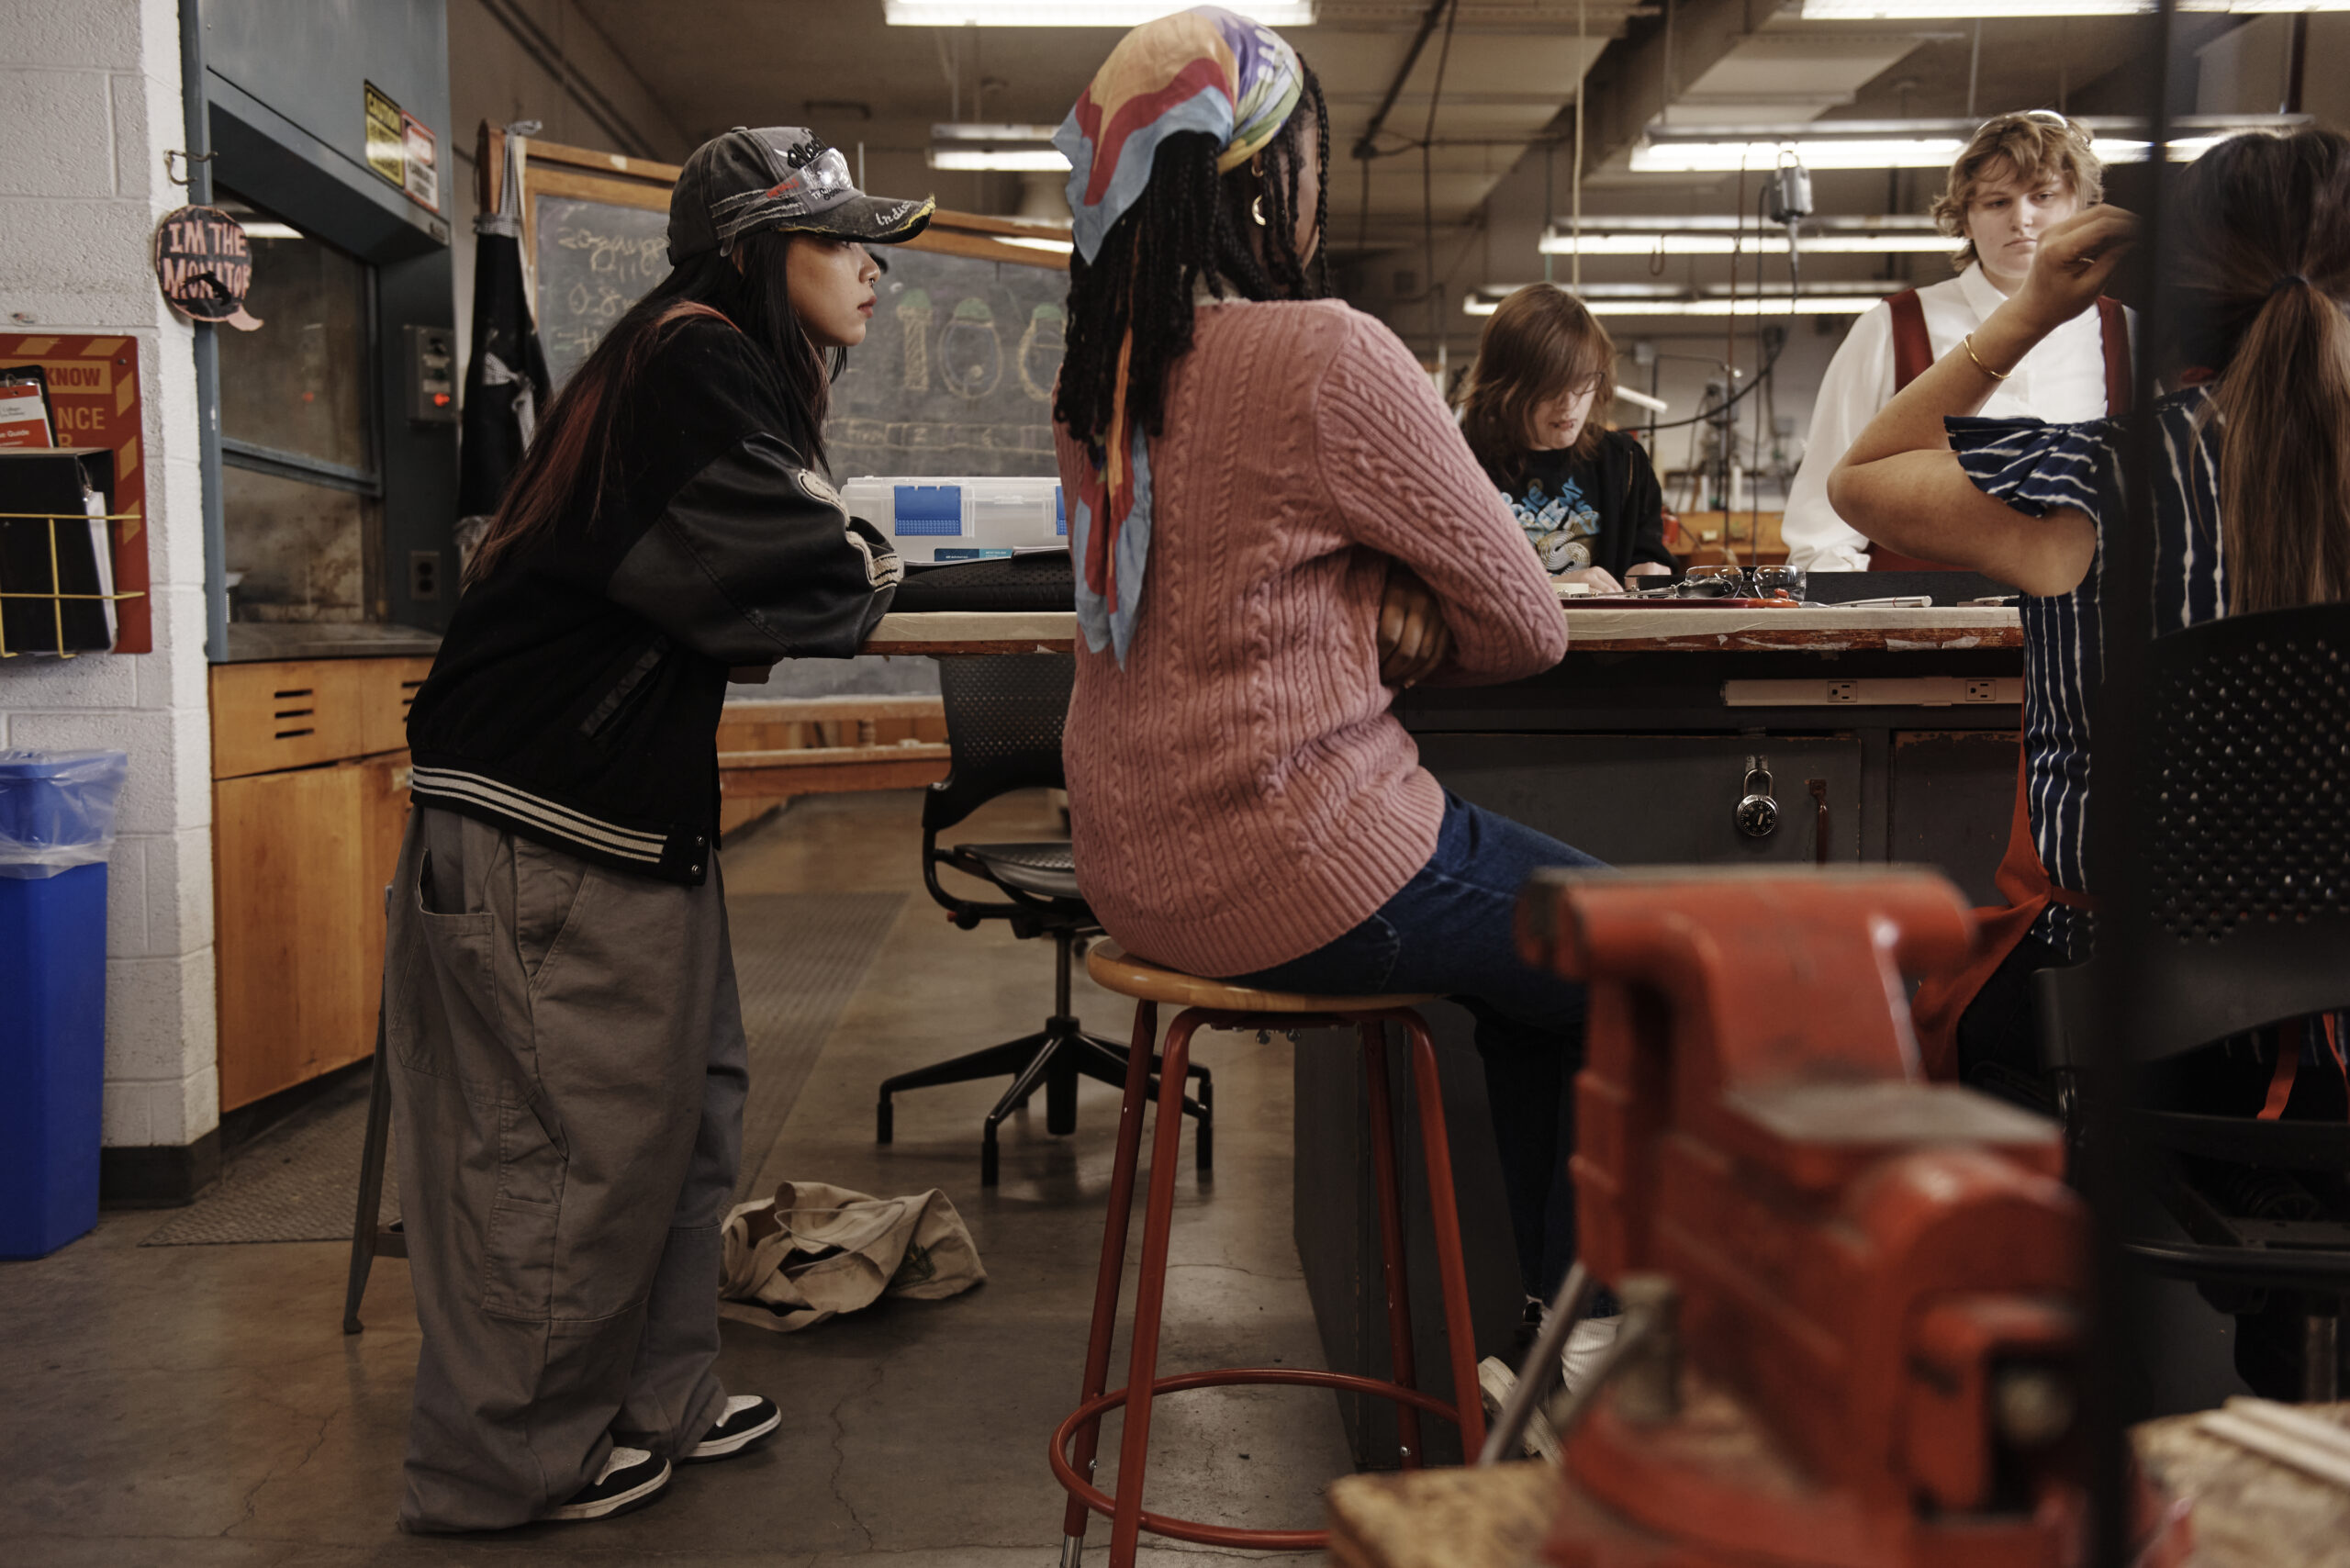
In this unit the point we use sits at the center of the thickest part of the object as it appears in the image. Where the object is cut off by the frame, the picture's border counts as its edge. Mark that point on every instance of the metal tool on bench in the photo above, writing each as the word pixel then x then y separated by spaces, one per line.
pixel 1854 1297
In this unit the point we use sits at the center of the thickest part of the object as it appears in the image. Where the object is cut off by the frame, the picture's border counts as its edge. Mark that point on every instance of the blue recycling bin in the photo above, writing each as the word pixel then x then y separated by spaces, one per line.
pixel 56 830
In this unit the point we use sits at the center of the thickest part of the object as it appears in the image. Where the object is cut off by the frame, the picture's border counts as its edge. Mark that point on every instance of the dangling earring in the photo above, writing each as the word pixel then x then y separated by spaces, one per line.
pixel 1257 209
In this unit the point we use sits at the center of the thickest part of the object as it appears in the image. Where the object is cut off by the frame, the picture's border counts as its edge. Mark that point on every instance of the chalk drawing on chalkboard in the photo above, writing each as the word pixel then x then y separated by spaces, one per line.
pixel 1042 346
pixel 913 320
pixel 594 260
pixel 970 354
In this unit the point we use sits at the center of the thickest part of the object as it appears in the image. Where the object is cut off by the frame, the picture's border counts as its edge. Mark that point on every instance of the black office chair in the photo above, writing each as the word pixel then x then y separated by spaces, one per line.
pixel 2247 797
pixel 1004 715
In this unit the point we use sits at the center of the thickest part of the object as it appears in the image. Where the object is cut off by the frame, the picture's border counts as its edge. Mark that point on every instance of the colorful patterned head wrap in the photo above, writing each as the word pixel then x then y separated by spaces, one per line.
pixel 1202 70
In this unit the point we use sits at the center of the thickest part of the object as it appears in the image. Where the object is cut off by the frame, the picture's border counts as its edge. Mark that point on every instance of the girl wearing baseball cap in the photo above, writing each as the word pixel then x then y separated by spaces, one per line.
pixel 566 1044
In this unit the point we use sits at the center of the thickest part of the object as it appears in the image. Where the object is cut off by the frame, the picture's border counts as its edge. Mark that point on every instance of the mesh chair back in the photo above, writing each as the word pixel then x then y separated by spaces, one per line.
pixel 1005 716
pixel 2248 802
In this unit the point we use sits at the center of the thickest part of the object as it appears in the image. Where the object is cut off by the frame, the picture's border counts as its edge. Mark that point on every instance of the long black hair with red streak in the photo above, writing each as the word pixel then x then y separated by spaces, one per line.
pixel 570 466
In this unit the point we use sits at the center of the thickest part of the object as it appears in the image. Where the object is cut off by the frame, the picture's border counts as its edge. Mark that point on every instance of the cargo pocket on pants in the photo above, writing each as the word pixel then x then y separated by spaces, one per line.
pixel 447 1023
pixel 519 1246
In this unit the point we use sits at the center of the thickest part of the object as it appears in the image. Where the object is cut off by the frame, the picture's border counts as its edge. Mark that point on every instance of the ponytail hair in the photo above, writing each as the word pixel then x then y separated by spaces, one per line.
pixel 2265 259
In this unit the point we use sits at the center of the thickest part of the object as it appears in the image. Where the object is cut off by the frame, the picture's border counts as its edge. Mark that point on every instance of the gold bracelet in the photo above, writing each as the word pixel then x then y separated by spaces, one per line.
pixel 1994 375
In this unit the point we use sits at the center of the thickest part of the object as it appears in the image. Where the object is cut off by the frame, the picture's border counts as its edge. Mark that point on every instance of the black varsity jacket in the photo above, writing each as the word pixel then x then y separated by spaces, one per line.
pixel 575 698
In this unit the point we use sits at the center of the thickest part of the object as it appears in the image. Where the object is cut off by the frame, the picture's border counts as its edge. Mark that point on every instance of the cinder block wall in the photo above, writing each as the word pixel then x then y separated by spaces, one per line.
pixel 89 102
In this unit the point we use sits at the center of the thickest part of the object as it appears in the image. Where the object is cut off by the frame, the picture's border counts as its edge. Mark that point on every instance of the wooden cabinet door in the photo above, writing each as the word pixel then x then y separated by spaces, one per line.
pixel 300 861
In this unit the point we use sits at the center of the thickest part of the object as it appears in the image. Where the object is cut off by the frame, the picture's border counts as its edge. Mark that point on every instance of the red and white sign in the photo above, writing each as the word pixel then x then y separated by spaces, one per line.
pixel 24 418
pixel 93 386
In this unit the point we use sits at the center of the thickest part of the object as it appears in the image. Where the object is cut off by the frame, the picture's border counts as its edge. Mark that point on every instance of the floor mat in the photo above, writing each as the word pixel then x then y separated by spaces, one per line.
pixel 798 960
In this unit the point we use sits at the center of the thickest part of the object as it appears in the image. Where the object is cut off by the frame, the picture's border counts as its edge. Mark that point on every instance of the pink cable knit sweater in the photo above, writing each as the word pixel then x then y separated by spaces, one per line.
pixel 1239 793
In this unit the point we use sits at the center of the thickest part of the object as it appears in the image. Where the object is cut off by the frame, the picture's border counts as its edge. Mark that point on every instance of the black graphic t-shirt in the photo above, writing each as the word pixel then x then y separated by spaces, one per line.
pixel 1601 511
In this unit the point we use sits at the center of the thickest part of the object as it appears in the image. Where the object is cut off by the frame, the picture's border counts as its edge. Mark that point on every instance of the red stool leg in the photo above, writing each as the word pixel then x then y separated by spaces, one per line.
pixel 1390 1236
pixel 1460 1335
pixel 1150 1291
pixel 1113 1260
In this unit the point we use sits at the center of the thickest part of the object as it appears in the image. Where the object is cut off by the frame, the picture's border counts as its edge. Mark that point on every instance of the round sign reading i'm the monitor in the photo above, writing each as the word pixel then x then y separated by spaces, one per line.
pixel 205 265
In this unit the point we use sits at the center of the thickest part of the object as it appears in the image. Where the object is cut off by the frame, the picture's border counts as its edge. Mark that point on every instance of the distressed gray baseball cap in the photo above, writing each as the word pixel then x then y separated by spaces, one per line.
pixel 781 177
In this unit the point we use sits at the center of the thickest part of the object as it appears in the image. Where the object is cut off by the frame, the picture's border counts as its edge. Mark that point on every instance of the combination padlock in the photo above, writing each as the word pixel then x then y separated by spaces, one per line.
pixel 1757 814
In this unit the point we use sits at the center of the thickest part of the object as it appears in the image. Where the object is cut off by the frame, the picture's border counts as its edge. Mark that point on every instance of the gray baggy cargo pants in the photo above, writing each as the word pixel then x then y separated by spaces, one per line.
pixel 568 1081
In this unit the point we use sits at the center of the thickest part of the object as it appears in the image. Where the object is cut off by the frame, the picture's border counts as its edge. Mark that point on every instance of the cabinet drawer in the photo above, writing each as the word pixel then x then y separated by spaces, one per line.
pixel 388 690
pixel 294 714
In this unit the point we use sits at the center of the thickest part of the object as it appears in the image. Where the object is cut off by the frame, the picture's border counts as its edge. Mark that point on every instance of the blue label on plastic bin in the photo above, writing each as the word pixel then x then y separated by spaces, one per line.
pixel 929 512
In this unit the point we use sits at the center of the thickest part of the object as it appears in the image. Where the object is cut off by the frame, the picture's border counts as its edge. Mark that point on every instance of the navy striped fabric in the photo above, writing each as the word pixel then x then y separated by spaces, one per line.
pixel 2036 467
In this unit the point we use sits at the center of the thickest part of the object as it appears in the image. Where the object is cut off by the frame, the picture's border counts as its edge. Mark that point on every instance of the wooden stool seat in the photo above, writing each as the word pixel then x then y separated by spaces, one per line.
pixel 1114 968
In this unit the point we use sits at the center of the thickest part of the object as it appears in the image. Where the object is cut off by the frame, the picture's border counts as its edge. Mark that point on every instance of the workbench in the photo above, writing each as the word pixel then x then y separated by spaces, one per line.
pixel 1889 735
pixel 2249 1512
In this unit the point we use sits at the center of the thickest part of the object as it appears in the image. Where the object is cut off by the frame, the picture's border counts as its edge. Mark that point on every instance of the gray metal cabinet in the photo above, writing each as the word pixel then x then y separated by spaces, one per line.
pixel 1634 799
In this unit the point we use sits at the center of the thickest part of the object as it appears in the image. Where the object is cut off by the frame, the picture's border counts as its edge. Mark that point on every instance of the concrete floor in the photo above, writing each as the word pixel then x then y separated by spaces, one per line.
pixel 199 1406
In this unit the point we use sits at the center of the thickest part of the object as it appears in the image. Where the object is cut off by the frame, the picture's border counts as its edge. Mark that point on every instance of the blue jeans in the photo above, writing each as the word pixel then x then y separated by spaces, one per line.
pixel 1450 930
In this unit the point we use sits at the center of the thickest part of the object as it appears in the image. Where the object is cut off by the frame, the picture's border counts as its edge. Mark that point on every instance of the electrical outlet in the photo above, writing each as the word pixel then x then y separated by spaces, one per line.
pixel 424 574
pixel 1843 691
pixel 1982 692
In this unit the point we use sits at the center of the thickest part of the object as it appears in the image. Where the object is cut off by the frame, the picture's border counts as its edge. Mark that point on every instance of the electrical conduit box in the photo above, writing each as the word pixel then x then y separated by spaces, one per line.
pixel 961 520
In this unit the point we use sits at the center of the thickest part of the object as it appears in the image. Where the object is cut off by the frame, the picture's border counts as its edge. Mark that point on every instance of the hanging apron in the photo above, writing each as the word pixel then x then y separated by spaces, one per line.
pixel 1913 351
pixel 1939 1001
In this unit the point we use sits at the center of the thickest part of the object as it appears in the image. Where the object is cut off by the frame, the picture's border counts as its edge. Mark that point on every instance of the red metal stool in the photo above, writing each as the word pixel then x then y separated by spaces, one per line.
pixel 1208 1003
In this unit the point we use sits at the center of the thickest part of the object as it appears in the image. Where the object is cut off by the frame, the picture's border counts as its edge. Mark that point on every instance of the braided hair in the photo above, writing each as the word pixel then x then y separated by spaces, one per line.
pixel 1191 225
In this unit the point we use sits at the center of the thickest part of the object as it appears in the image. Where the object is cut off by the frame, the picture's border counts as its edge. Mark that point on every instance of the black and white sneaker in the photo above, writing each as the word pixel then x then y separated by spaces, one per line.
pixel 631 1478
pixel 747 1418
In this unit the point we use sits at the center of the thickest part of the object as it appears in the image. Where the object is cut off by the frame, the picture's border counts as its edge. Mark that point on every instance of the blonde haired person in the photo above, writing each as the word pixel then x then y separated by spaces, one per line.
pixel 2019 176
pixel 1586 496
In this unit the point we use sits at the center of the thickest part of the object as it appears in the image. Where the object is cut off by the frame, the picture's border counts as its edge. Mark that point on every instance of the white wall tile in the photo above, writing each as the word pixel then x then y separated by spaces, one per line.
pixel 88 681
pixel 179 884
pixel 126 1113
pixel 127 99
pixel 58 128
pixel 99 33
pixel 159 1021
pixel 127 899
pixel 80 264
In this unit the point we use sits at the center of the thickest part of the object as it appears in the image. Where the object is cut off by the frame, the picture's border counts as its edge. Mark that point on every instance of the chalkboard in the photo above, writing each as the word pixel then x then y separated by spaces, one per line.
pixel 594 260
pixel 956 374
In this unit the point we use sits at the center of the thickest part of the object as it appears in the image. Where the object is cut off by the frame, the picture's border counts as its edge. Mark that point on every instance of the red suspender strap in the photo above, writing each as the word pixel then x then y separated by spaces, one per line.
pixel 1913 350
pixel 2288 1057
pixel 2114 327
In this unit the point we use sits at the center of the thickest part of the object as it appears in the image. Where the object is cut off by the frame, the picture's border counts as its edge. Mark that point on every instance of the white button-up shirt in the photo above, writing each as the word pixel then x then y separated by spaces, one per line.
pixel 2061 380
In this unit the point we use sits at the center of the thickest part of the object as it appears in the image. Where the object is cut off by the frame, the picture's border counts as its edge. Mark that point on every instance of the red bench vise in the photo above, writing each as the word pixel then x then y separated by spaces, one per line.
pixel 1874 1283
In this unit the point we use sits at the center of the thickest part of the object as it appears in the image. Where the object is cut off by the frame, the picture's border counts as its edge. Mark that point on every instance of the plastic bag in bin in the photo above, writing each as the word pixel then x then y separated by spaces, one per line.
pixel 56 810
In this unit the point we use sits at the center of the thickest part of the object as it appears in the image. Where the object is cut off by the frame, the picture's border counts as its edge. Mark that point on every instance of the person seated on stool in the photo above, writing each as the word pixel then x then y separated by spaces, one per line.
pixel 1277 527
pixel 2018 177
pixel 2252 512
pixel 568 1060
pixel 1586 496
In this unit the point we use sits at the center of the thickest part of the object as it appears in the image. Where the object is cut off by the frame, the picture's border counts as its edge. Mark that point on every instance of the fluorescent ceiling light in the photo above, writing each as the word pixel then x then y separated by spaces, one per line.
pixel 268 229
pixel 1909 153
pixel 1027 148
pixel 964 130
pixel 1921 10
pixel 1770 238
pixel 1023 159
pixel 1078 13
pixel 1648 299
pixel 1769 304
pixel 1058 247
